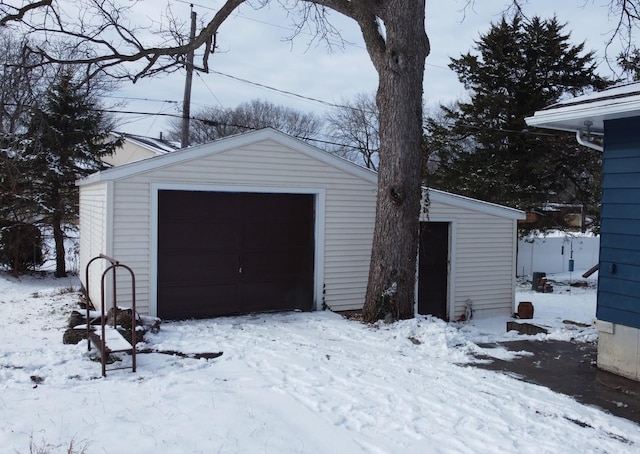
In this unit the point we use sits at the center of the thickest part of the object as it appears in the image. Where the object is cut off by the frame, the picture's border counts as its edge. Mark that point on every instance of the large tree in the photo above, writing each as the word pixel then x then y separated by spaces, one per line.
pixel 64 141
pixel 483 145
pixel 211 123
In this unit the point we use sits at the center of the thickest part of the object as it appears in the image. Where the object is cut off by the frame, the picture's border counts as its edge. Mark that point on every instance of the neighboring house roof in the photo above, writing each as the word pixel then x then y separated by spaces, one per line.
pixel 247 138
pixel 136 148
pixel 587 113
pixel 157 145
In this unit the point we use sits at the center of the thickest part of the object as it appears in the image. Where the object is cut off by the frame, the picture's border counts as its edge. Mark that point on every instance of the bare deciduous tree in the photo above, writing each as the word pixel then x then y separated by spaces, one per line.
pixel 19 86
pixel 356 125
pixel 213 123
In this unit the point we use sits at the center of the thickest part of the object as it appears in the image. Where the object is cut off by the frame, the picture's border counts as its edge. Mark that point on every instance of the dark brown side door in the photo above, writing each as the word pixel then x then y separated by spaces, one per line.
pixel 222 253
pixel 433 269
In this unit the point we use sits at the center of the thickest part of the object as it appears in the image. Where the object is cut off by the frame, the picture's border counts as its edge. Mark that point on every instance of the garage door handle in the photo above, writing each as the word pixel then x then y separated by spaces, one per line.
pixel 240 270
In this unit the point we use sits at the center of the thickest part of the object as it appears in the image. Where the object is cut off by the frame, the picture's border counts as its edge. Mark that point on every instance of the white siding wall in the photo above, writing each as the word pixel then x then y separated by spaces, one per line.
pixel 348 213
pixel 129 152
pixel 483 242
pixel 482 261
pixel 93 234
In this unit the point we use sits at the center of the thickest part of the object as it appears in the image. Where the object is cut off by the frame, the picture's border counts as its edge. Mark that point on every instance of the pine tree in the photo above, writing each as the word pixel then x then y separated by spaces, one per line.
pixel 483 145
pixel 64 142
pixel 629 62
pixel 20 239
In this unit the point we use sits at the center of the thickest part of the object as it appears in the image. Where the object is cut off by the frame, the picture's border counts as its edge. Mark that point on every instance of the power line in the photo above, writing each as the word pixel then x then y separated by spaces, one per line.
pixel 217 123
pixel 209 89
pixel 308 98
pixel 131 98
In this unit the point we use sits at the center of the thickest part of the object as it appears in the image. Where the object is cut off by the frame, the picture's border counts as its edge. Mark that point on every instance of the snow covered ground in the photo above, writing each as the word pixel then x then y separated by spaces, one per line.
pixel 290 383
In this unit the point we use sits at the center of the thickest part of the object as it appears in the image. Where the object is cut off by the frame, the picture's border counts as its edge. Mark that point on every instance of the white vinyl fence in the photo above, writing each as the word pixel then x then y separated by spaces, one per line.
pixel 551 254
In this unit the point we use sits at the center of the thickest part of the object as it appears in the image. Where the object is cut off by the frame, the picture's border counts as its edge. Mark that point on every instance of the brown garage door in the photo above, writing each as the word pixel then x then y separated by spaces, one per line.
pixel 222 253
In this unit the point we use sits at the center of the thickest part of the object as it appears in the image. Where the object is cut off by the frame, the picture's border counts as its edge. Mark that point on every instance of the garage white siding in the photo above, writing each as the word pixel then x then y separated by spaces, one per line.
pixel 94 232
pixel 261 166
pixel 483 236
pixel 483 252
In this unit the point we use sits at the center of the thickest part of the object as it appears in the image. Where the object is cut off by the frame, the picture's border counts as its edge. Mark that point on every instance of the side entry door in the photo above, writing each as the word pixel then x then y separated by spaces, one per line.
pixel 433 269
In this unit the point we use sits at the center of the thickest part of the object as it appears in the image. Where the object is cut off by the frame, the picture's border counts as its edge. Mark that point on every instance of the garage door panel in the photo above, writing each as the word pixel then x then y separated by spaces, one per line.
pixel 198 266
pixel 198 205
pixel 181 235
pixel 280 295
pixel 264 266
pixel 246 253
pixel 202 302
pixel 274 207
pixel 276 236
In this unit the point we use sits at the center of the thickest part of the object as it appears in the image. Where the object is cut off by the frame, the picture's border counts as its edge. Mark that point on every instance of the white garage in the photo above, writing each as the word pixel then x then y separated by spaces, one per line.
pixel 264 222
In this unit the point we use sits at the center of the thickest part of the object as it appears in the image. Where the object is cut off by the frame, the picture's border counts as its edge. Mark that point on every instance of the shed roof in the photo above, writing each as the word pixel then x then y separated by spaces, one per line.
pixel 469 203
pixel 244 139
pixel 588 112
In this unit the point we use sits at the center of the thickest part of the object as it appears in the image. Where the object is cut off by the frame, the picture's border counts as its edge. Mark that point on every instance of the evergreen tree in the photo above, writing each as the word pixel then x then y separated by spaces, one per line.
pixel 483 147
pixel 629 62
pixel 64 142
pixel 20 239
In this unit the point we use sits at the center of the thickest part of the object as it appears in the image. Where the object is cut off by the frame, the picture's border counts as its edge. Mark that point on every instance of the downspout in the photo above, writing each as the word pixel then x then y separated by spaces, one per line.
pixel 589 140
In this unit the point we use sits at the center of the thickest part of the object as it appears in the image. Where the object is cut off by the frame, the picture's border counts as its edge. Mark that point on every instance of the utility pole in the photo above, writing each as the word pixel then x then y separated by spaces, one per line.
pixel 186 104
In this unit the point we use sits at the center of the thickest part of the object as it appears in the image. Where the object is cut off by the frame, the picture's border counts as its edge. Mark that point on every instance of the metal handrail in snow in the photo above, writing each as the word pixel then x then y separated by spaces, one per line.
pixel 101 341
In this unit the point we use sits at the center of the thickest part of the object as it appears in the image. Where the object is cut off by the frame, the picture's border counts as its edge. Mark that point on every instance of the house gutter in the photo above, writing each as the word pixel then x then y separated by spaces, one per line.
pixel 590 140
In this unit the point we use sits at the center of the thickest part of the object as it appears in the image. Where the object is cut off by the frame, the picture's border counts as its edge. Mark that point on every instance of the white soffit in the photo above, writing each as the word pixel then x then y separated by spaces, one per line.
pixel 589 112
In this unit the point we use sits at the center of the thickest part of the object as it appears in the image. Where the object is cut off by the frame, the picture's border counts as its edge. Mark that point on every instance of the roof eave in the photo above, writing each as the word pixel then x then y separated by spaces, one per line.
pixel 225 144
pixel 469 203
pixel 577 117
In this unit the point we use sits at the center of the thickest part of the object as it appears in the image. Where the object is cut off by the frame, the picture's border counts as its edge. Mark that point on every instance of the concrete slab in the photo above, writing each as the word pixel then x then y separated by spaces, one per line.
pixel 570 368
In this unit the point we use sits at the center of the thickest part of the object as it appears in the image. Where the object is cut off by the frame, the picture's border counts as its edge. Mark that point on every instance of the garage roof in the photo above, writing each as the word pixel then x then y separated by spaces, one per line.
pixel 226 144
pixel 588 112
pixel 244 139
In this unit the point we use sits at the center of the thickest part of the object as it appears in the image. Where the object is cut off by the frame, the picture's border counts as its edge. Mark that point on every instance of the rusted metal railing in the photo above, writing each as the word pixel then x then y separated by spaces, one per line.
pixel 100 341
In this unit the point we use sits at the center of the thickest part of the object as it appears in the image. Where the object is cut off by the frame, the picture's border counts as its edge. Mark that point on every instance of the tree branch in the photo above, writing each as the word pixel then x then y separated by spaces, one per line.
pixel 93 41
pixel 18 16
pixel 366 13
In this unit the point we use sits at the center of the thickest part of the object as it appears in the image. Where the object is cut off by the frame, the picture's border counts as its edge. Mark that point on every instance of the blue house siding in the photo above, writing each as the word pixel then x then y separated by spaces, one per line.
pixel 619 274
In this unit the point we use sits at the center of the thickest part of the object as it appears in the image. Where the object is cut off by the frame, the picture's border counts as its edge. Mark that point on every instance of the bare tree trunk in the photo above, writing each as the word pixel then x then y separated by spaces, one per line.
pixel 58 237
pixel 58 233
pixel 391 287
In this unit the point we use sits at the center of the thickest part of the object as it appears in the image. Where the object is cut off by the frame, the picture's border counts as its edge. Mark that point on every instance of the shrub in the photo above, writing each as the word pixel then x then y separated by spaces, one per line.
pixel 20 247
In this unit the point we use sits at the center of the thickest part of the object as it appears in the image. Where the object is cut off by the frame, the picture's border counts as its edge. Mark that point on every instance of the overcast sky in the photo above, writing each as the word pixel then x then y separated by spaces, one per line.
pixel 252 46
